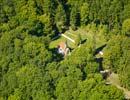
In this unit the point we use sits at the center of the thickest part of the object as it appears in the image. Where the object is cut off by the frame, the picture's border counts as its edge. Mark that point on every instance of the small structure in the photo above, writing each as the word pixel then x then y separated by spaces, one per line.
pixel 101 53
pixel 105 73
pixel 63 49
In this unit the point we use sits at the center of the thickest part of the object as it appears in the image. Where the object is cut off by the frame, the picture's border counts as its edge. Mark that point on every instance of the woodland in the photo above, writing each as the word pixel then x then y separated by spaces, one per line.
pixel 30 67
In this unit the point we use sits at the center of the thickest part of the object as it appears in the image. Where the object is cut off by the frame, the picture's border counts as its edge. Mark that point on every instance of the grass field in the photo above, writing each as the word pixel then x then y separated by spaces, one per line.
pixel 84 32
pixel 55 42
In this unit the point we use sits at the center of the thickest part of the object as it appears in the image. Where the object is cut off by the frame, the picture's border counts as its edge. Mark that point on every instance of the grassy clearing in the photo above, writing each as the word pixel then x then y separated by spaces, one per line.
pixel 56 42
pixel 85 33
pixel 88 33
pixel 114 80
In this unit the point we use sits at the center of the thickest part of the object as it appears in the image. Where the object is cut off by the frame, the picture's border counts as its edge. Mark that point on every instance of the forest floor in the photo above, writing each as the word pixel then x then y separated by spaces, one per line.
pixel 114 80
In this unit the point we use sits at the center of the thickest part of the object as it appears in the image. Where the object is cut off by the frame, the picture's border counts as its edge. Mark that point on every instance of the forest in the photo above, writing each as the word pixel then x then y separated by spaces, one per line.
pixel 96 33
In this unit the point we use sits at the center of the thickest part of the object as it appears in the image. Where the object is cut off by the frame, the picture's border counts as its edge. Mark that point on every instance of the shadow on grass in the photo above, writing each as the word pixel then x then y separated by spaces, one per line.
pixel 83 41
pixel 99 49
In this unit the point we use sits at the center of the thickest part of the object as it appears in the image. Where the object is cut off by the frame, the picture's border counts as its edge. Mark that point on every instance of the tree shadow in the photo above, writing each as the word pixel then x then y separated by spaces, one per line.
pixel 99 61
pixel 83 41
pixel 55 55
pixel 99 49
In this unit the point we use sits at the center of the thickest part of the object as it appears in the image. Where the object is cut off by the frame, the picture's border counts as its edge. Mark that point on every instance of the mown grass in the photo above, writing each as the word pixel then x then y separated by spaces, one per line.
pixel 85 33
pixel 56 42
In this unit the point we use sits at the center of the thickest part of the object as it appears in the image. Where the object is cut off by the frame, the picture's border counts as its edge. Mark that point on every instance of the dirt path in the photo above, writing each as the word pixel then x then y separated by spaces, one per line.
pixel 114 80
pixel 71 33
pixel 68 38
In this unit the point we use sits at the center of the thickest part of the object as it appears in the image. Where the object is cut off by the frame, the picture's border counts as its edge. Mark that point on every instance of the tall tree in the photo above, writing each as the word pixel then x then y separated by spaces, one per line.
pixel 60 18
pixel 84 12
pixel 126 26
pixel 74 17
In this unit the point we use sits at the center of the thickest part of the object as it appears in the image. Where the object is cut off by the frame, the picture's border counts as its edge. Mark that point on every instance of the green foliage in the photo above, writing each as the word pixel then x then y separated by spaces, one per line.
pixel 126 26
pixel 117 57
pixel 74 18
pixel 84 12
pixel 30 84
pixel 126 11
pixel 30 70
pixel 65 88
pixel 106 93
pixel 113 53
pixel 60 18
pixel 94 89
pixel 78 40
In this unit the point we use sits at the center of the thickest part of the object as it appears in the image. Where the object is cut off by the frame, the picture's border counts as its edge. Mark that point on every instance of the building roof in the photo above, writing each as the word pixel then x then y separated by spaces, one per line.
pixel 62 45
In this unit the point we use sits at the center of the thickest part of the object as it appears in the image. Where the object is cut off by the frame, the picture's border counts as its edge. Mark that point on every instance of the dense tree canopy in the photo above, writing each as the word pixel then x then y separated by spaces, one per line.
pixel 30 70
pixel 117 57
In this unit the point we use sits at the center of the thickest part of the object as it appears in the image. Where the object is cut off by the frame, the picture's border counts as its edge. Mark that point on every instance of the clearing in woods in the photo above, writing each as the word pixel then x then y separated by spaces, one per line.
pixel 114 80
